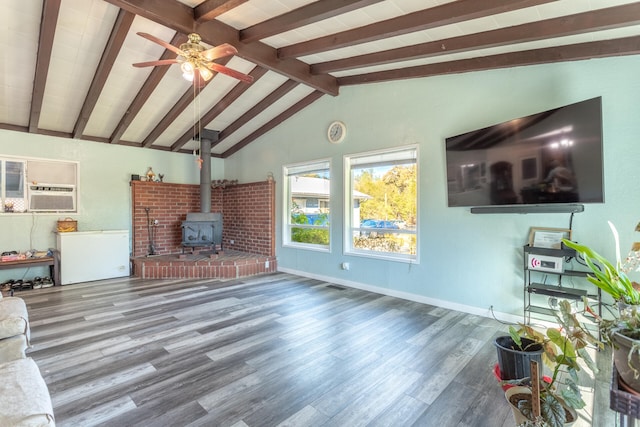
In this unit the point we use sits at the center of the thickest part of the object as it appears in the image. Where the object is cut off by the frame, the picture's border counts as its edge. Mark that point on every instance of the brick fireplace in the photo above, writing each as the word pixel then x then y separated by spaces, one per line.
pixel 248 238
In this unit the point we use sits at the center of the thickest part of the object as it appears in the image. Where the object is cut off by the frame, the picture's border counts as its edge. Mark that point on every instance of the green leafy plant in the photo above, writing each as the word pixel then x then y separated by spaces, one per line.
pixel 310 235
pixel 611 279
pixel 563 347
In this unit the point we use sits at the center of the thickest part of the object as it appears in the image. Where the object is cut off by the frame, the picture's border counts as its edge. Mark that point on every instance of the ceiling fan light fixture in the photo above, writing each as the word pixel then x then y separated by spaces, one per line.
pixel 187 70
pixel 205 73
pixel 187 76
pixel 187 67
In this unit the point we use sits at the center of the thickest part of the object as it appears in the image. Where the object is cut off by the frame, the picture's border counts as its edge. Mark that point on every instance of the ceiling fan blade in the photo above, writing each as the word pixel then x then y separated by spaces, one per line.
pixel 229 72
pixel 154 63
pixel 162 43
pixel 220 51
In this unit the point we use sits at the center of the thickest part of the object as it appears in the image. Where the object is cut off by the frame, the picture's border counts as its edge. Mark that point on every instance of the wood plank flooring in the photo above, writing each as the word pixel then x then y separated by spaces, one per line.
pixel 271 350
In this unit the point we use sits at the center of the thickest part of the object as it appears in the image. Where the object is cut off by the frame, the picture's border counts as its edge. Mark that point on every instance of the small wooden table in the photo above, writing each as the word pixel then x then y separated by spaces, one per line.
pixel 52 261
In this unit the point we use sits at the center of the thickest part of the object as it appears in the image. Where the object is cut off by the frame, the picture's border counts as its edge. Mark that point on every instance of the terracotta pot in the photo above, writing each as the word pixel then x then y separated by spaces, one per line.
pixel 517 415
pixel 625 366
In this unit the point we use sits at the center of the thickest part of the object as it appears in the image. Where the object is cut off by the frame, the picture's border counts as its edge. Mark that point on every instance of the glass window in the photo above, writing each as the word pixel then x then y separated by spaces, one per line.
pixel 12 181
pixel 383 214
pixel 307 197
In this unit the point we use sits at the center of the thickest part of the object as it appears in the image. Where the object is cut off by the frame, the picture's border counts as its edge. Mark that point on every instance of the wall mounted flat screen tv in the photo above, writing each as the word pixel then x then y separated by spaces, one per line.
pixel 550 157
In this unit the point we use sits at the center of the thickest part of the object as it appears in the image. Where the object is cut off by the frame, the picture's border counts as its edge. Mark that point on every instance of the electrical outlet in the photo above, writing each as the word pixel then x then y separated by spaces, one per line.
pixel 345 266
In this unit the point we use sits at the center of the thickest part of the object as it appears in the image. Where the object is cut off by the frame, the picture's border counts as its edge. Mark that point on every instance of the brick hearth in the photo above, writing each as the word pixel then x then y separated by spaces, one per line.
pixel 227 265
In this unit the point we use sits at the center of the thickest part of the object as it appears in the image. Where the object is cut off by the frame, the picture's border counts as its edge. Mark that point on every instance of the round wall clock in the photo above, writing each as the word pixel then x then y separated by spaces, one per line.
pixel 336 132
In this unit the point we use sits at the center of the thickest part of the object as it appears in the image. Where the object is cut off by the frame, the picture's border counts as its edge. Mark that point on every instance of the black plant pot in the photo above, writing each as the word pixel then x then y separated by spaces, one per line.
pixel 514 363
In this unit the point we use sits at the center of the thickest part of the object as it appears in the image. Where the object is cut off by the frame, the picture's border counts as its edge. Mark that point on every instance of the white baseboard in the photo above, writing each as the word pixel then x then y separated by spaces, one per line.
pixel 484 312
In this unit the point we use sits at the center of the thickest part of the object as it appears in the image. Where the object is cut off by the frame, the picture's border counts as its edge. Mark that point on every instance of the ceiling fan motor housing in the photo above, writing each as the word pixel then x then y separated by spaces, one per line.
pixel 192 47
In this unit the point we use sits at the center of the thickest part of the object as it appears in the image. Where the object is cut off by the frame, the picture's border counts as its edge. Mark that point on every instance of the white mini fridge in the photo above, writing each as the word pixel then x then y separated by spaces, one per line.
pixel 93 255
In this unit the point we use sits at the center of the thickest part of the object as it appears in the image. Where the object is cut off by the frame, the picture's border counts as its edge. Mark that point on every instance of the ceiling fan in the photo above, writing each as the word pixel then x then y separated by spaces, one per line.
pixel 195 61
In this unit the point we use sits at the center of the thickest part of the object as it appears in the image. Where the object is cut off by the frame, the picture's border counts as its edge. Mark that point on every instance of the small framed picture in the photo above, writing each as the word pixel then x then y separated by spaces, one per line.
pixel 550 238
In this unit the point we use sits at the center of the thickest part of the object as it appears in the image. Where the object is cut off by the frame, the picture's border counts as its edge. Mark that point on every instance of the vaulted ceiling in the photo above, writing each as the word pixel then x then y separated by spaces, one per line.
pixel 68 63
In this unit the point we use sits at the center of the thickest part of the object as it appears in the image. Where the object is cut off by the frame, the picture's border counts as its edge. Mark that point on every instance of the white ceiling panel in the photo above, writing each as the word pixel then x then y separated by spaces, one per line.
pixel 19 29
pixel 83 27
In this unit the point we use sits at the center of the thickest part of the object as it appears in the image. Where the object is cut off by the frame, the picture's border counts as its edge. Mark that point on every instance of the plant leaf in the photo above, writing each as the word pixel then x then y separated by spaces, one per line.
pixel 515 336
pixel 552 411
pixel 572 397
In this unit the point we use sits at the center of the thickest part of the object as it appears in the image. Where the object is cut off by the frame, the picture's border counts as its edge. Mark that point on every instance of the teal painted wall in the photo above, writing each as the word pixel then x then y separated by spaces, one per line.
pixel 466 261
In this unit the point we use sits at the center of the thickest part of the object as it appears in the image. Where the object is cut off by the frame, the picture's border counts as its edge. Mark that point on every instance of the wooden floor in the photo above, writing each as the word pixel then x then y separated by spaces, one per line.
pixel 271 350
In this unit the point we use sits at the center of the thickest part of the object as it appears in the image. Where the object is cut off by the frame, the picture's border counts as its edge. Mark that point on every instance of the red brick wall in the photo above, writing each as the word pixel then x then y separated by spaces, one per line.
pixel 169 204
pixel 248 217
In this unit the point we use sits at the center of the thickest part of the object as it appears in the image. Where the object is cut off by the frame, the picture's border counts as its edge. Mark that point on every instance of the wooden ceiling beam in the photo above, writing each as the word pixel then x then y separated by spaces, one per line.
pixel 309 14
pixel 574 52
pixel 251 114
pixel 211 9
pixel 597 20
pixel 116 39
pixel 50 10
pixel 446 14
pixel 179 17
pixel 220 106
pixel 147 89
pixel 300 105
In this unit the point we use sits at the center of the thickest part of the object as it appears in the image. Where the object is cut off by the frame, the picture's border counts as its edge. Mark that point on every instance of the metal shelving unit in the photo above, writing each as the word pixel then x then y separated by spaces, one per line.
pixel 534 286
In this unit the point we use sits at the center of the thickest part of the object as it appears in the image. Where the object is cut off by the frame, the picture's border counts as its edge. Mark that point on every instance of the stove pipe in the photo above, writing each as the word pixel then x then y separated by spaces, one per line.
pixel 207 138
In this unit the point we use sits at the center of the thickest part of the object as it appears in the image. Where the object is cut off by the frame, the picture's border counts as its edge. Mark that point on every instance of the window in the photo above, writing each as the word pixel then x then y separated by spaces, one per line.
pixel 382 215
pixel 28 185
pixel 12 185
pixel 307 198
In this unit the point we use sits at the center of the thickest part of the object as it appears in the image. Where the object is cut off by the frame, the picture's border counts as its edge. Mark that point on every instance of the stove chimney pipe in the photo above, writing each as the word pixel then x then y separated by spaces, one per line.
pixel 207 138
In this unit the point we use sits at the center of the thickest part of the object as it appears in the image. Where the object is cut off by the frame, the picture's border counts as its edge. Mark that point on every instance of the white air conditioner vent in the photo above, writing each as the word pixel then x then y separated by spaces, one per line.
pixel 52 198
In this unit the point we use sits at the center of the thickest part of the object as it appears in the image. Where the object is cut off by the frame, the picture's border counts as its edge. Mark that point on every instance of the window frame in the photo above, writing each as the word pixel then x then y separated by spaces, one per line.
pixel 350 228
pixel 287 226
pixel 39 166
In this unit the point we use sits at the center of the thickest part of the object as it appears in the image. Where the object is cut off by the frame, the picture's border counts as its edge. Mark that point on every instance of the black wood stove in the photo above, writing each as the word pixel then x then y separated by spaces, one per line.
pixel 204 228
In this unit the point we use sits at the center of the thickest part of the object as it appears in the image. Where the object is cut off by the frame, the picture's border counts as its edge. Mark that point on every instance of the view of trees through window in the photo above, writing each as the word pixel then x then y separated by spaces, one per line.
pixel 303 234
pixel 384 218
pixel 381 214
pixel 393 195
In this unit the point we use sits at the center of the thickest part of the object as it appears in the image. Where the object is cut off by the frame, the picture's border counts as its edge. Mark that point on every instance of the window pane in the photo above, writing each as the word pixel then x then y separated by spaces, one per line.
pixel 14 179
pixel 384 204
pixel 308 201
pixel 12 187
pixel 382 241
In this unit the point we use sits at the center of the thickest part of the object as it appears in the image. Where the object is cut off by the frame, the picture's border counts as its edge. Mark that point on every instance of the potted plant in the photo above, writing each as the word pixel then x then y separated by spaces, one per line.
pixel 560 396
pixel 515 354
pixel 623 330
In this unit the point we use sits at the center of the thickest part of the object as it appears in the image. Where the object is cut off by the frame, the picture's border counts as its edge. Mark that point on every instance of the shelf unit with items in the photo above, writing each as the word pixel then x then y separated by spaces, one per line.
pixel 548 263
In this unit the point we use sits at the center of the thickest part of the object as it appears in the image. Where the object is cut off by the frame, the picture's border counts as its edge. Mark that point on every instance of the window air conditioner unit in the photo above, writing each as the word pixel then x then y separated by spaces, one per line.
pixel 52 198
